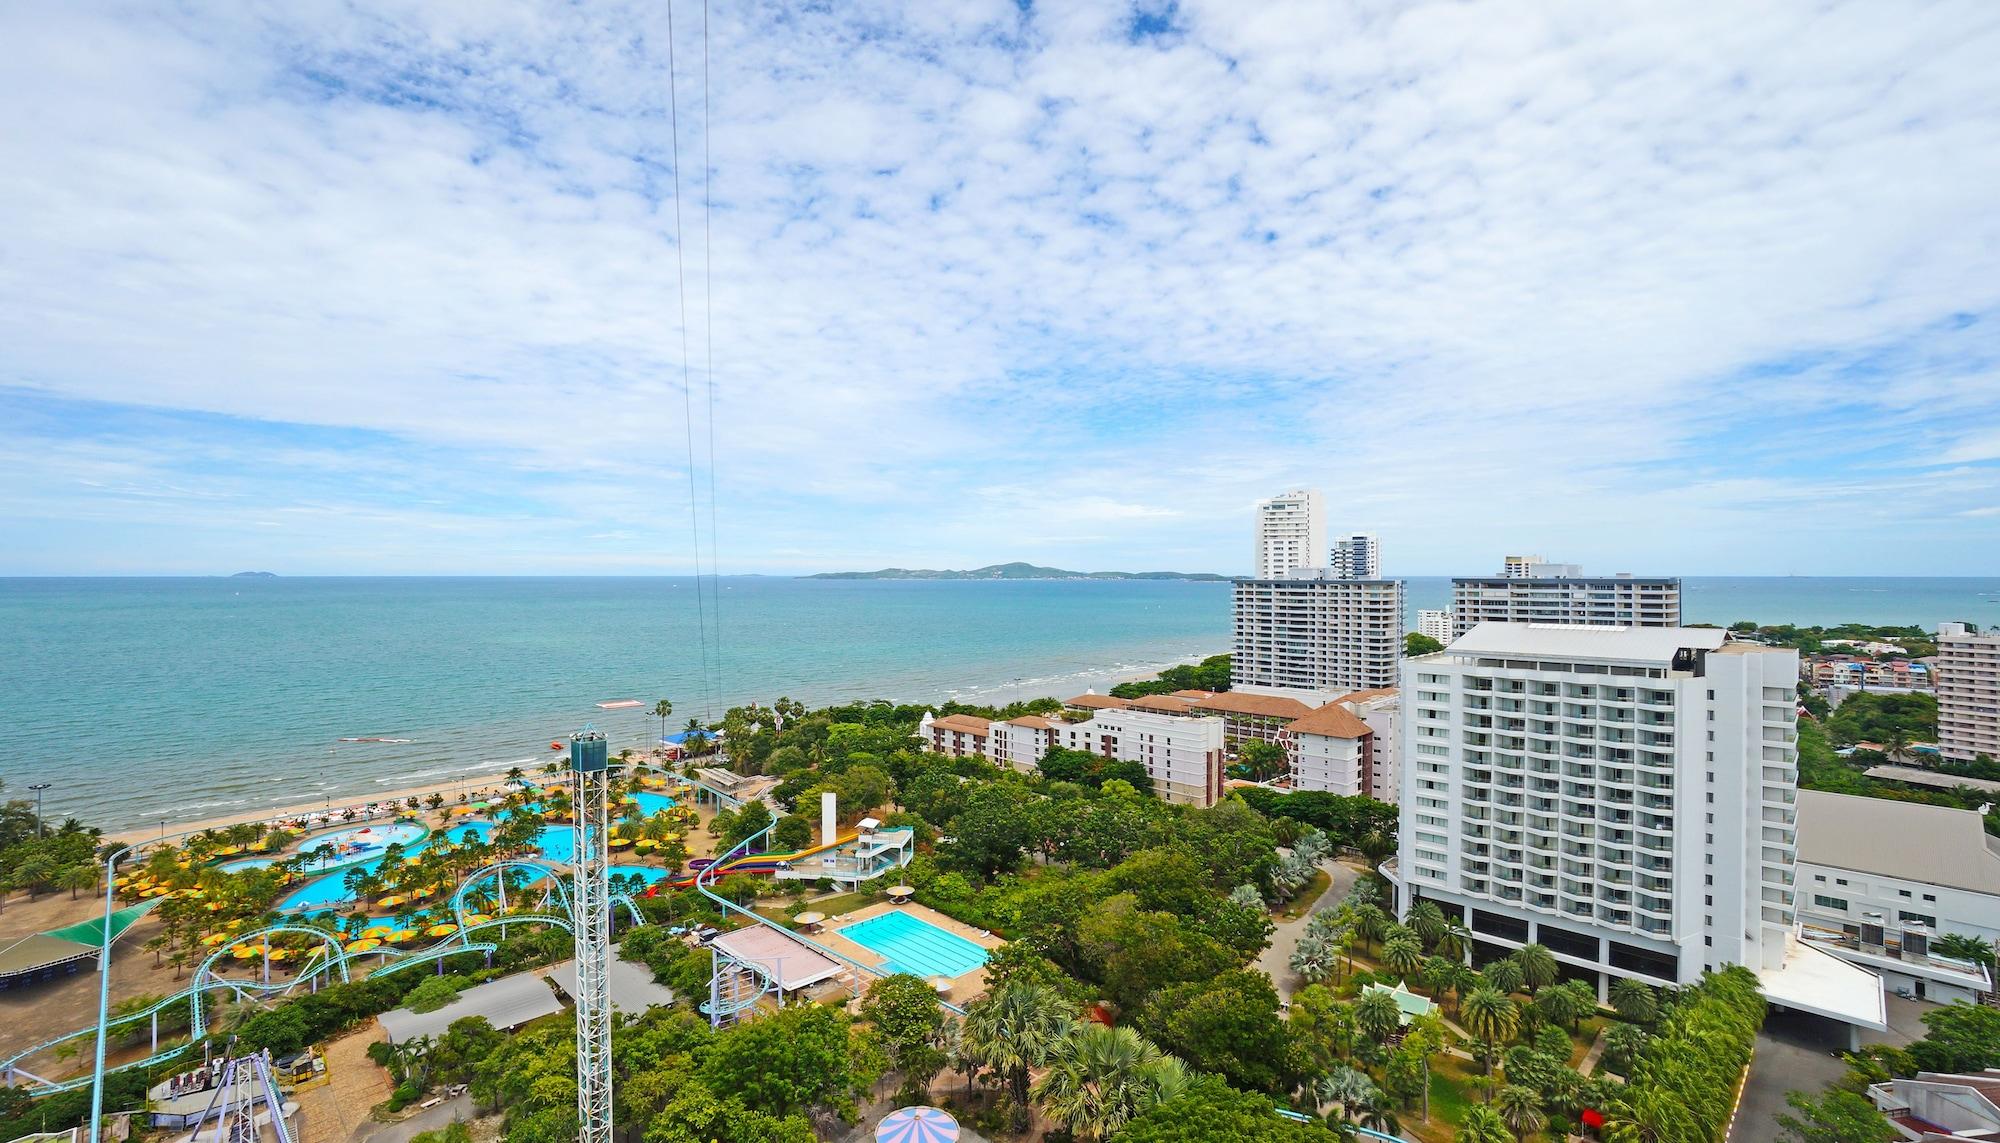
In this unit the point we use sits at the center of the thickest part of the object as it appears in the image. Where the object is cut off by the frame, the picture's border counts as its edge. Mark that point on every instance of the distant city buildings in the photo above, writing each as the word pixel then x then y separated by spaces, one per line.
pixel 1871 674
pixel 1880 881
pixel 1358 556
pixel 1532 590
pixel 1291 533
pixel 1435 624
pixel 1623 796
pixel 1968 692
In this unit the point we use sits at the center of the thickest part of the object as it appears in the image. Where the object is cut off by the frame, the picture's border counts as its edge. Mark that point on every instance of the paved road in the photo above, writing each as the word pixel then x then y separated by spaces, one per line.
pixel 1797 1051
pixel 1276 959
pixel 428 1120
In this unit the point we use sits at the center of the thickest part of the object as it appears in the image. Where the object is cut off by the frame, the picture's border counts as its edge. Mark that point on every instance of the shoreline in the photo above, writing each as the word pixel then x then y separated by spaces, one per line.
pixel 478 786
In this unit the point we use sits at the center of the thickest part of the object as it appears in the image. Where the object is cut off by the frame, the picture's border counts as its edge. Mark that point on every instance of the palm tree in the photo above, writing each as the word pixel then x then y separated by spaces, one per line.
pixel 1454 941
pixel 1403 955
pixel 1463 980
pixel 1427 921
pixel 1015 1028
pixel 1377 1015
pixel 1314 958
pixel 156 946
pixel 1559 1006
pixel 1960 946
pixel 1345 1088
pixel 1370 923
pixel 1504 975
pixel 1492 1017
pixel 1099 1079
pixel 1436 975
pixel 1646 1114
pixel 1520 1108
pixel 1376 847
pixel 1482 1124
pixel 1538 966
pixel 663 710
pixel 1635 1000
pixel 77 877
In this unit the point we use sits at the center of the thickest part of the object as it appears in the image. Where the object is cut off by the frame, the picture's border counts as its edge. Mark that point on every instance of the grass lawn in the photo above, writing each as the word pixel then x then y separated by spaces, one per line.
pixel 1451 1094
pixel 1295 908
pixel 783 911
pixel 1586 1035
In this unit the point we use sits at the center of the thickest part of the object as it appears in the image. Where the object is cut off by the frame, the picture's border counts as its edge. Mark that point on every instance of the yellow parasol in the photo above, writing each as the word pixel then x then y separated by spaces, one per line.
pixel 366 944
pixel 213 906
pixel 121 880
pixel 213 939
pixel 280 954
pixel 391 901
pixel 401 936
pixel 230 850
pixel 441 930
pixel 478 919
pixel 619 842
pixel 377 931
pixel 645 843
pixel 244 952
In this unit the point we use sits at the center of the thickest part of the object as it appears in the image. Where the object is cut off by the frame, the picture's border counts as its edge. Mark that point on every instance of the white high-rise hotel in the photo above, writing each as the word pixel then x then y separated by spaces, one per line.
pixel 1623 796
pixel 1291 533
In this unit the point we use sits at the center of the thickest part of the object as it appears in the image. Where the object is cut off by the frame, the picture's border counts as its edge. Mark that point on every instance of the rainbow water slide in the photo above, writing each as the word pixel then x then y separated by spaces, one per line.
pixel 765 863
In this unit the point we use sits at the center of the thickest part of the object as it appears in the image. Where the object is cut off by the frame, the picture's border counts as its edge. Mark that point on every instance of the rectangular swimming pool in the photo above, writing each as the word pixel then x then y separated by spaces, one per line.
pixel 915 946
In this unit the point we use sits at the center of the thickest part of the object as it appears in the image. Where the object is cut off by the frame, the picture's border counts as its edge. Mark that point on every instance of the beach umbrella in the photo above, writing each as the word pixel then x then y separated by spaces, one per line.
pixel 442 930
pixel 213 906
pixel 402 936
pixel 392 900
pixel 280 954
pixel 645 843
pixel 619 842
pixel 917 1125
pixel 121 880
pixel 478 919
pixel 213 939
pixel 420 894
pixel 244 952
pixel 369 944
pixel 230 850
pixel 377 931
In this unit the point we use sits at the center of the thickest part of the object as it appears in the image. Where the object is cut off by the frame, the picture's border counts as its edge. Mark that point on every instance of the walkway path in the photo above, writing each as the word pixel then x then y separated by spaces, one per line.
pixel 1276 958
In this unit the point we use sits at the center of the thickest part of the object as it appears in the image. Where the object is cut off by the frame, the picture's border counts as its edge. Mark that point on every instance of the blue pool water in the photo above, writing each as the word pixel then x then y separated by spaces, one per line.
pixel 556 845
pixel 915 946
pixel 647 874
pixel 650 804
pixel 248 863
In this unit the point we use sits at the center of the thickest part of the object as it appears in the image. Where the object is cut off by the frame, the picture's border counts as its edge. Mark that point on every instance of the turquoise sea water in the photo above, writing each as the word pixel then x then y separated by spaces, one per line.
pixel 151 699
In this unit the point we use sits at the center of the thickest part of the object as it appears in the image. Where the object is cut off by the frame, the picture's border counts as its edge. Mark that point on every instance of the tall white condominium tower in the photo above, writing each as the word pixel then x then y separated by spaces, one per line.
pixel 1968 693
pixel 1291 533
pixel 1561 593
pixel 1622 796
pixel 1314 635
pixel 1436 624
pixel 1358 556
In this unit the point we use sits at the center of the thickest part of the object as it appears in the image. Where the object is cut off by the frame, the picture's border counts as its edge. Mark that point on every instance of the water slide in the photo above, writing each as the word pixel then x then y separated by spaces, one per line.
pixel 765 863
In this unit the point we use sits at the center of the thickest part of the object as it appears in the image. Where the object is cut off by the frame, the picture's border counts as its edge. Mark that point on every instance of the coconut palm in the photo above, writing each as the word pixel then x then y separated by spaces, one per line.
pixel 1623 1044
pixel 1482 1124
pixel 1370 923
pixel 1403 955
pixel 1520 1108
pixel 1100 1078
pixel 1015 1028
pixel 1645 1114
pixel 1436 975
pixel 1559 1006
pixel 1538 967
pixel 1635 1000
pixel 663 710
pixel 1377 1015
pixel 1490 1016
pixel 1453 942
pixel 77 877
pixel 1326 923
pixel 1463 980
pixel 1427 921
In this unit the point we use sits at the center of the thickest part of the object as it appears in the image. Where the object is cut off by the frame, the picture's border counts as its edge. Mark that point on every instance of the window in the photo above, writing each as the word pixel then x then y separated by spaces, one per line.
pixel 1916 919
pixel 1825 902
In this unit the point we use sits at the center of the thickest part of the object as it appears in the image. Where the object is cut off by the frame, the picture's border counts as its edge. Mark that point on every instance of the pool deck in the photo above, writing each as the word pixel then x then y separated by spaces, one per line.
pixel 965 987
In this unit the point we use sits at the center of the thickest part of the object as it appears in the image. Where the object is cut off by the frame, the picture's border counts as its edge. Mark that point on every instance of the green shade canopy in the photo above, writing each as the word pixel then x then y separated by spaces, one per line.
pixel 91 932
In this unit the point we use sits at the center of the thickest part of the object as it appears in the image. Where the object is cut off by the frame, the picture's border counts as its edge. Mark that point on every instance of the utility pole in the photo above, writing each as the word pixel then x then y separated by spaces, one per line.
pixel 38 787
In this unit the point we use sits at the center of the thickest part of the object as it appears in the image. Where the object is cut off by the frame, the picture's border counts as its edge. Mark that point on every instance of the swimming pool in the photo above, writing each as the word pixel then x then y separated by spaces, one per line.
pixel 249 863
pixel 650 804
pixel 915 946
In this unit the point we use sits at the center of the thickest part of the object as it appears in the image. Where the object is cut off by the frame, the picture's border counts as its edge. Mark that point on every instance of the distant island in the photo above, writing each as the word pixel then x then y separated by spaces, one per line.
pixel 1014 571
pixel 255 575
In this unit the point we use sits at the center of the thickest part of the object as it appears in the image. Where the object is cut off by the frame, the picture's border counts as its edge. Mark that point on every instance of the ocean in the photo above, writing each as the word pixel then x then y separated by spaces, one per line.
pixel 148 700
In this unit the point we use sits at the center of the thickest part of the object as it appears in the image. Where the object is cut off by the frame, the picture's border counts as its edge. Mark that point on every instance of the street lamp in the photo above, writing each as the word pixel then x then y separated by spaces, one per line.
pixel 38 787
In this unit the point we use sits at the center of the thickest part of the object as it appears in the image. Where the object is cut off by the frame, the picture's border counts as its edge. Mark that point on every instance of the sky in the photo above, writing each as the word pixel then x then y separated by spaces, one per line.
pixel 469 287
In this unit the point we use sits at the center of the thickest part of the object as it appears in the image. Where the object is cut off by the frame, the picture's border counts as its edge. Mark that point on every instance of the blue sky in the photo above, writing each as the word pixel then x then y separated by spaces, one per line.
pixel 392 287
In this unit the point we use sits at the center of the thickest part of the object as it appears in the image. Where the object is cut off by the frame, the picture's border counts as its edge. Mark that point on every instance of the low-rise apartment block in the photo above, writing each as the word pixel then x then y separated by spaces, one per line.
pixel 1880 881
pixel 1182 754
pixel 1873 674
pixel 1348 747
pixel 1968 691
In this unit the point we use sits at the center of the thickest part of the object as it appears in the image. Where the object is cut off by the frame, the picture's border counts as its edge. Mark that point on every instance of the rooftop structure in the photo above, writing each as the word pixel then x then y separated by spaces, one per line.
pixel 506 1003
pixel 1941 1106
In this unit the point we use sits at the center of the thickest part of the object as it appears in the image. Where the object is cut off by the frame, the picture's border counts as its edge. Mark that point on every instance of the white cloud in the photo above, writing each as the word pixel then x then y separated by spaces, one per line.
pixel 984 278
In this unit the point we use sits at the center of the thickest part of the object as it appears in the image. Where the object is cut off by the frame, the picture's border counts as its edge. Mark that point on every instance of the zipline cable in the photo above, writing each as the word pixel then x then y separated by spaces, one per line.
pixel 687 399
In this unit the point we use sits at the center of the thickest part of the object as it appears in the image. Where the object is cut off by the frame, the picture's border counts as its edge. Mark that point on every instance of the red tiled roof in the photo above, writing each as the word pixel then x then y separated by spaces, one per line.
pixel 1266 706
pixel 1166 704
pixel 1364 696
pixel 966 722
pixel 1098 702
pixel 1333 720
pixel 1031 721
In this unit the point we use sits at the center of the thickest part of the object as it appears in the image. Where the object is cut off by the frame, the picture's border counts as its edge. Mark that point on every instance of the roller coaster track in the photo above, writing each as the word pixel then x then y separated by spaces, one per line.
pixel 330 957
